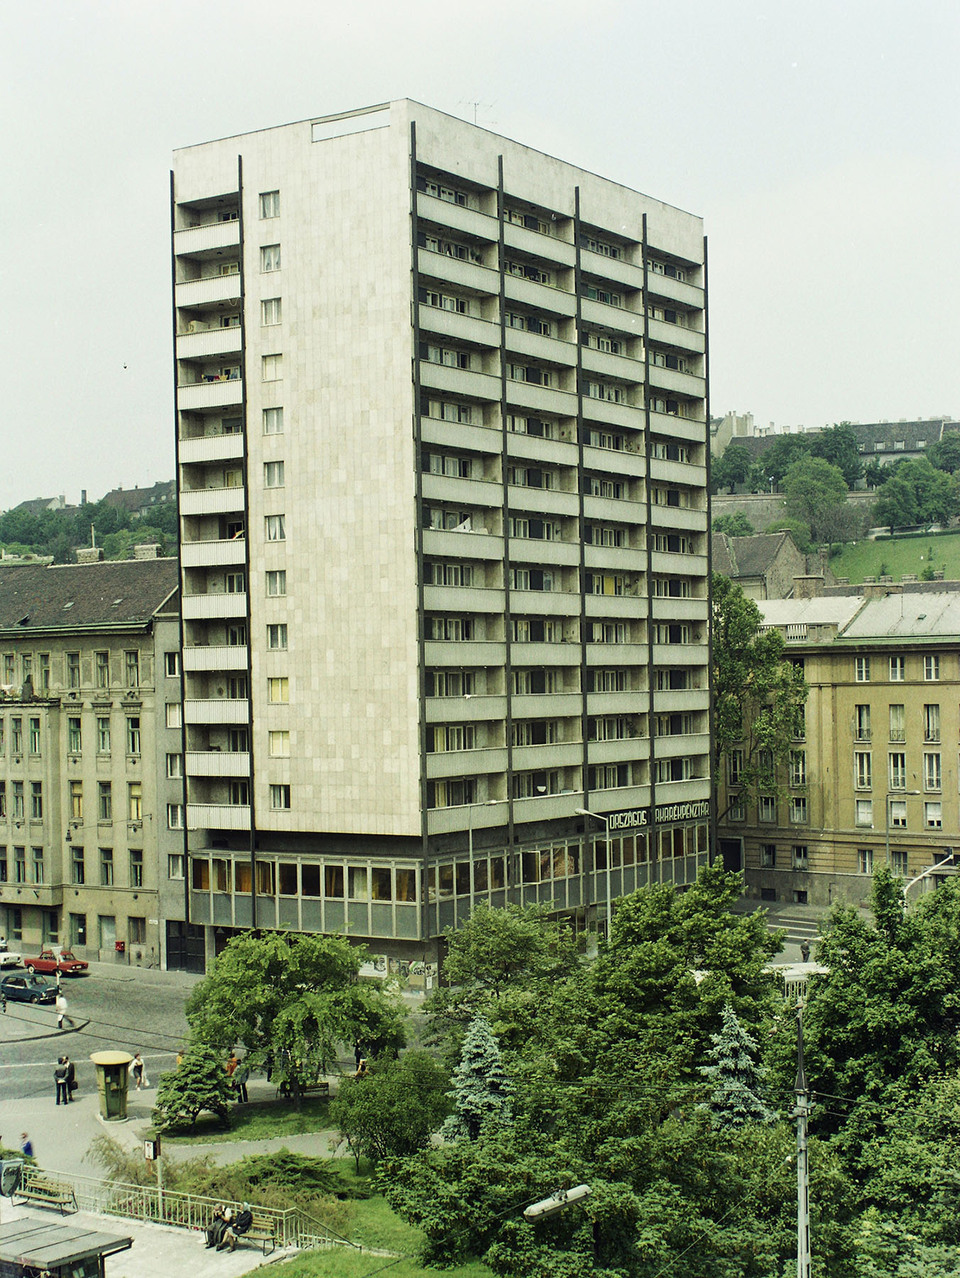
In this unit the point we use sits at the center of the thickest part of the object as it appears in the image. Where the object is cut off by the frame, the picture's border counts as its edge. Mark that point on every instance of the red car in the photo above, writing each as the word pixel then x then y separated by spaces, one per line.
pixel 56 961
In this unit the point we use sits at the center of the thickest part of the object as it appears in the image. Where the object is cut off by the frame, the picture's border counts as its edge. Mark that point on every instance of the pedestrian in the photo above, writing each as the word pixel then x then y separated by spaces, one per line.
pixel 60 1078
pixel 179 1057
pixel 62 1012
pixel 3 999
pixel 232 1063
pixel 26 1145
pixel 136 1069
pixel 362 1070
pixel 241 1074
pixel 805 951
pixel 358 1054
pixel 71 1077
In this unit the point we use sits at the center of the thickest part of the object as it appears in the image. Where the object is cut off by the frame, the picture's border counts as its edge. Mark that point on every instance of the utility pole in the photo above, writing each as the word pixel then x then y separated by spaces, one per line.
pixel 803 1167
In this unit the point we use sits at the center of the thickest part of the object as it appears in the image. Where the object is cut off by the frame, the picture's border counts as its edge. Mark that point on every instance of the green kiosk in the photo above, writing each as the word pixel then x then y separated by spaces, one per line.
pixel 112 1074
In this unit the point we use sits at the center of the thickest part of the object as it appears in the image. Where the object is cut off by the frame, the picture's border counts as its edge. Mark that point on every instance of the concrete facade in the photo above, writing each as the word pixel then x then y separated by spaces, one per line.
pixel 442 448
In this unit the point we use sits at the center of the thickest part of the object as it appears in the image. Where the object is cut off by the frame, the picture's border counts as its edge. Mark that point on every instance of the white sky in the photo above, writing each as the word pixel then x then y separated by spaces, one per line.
pixel 818 141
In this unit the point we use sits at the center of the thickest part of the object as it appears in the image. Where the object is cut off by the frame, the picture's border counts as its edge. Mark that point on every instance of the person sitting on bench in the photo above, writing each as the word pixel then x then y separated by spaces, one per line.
pixel 236 1229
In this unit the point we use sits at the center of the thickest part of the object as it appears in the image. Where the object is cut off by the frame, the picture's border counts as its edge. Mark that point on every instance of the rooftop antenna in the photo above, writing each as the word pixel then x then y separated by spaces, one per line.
pixel 470 102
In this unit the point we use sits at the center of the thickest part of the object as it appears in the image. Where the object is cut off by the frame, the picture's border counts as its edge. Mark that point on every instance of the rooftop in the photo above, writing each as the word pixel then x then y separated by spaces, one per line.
pixel 113 593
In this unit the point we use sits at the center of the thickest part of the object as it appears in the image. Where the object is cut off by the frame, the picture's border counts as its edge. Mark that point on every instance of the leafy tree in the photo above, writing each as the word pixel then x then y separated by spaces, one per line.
pixel 482 1092
pixel 394 1110
pixel 815 492
pixel 735 524
pixel 945 453
pixel 200 1082
pixel 799 531
pixel 733 467
pixel 838 445
pixel 916 493
pixel 293 998
pixel 774 462
pixel 758 694
pixel 736 1077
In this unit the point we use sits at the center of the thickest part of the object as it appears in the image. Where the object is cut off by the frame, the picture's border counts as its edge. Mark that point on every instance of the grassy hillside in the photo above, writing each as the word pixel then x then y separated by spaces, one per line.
pixel 897 556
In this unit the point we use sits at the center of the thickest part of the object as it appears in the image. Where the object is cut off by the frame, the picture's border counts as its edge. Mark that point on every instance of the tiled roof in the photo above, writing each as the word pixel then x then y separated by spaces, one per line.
pixel 133 499
pixel 746 556
pixel 915 436
pixel 124 592
pixel 908 616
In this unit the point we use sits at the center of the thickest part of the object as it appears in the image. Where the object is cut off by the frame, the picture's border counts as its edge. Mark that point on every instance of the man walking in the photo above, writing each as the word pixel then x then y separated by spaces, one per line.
pixel 62 1012
pixel 60 1078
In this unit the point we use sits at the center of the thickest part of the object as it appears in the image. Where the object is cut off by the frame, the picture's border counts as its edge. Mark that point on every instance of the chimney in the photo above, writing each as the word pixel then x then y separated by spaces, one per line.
pixel 89 554
pixel 809 586
pixel 150 551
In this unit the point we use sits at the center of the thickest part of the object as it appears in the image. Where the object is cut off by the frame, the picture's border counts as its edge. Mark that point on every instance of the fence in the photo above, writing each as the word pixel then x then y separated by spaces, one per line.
pixel 292 1227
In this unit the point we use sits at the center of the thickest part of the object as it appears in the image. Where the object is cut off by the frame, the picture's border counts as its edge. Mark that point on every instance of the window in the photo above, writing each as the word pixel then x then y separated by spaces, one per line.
pixel 171 662
pixel 462 736
pixel 269 204
pixel 798 767
pixel 18 806
pixel 270 257
pixel 279 745
pixel 278 691
pixel 451 629
pixel 76 800
pixel 271 367
pixel 931 723
pixel 174 765
pixel 135 801
pixel 932 775
pixel 104 801
pixel 277 636
pixel 735 766
pixel 78 872
pixel 931 667
pixel 273 474
pixel 131 662
pixel 865 858
pixel 798 857
pixel 898 863
pixel 133 735
pixel 280 797
pixel 933 816
pixel 277 583
pixel 798 810
pixel 275 528
pixel 235 583
pixel 862 669
pixel 767 807
pixel 862 723
pixel 136 867
pixel 137 930
pixel 3 798
pixel 768 856
pixel 16 735
pixel 102 662
pixel 175 863
pixel 898 813
pixel 898 771
pixel 175 822
pixel 73 670
pixel 43 674
pixel 74 735
pixel 273 421
pixel 897 723
pixel 897 669
pixel 174 714
pixel 20 865
pixel 863 769
pixel 36 800
pixel 864 812
pixel 106 867
pixel 270 311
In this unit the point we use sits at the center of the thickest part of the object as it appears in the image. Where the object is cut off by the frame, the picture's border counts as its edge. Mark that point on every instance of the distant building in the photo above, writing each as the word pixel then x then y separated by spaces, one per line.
pixel 139 502
pixel 873 770
pixel 887 442
pixel 765 565
pixel 40 505
pixel 91 805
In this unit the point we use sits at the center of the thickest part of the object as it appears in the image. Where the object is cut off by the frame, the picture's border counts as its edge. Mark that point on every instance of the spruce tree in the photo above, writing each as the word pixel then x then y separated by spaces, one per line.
pixel 734 1100
pixel 482 1093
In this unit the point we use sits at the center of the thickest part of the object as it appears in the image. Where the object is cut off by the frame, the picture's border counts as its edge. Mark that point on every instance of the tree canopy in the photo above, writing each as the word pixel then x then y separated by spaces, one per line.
pixel 916 493
pixel 815 493
pixel 734 524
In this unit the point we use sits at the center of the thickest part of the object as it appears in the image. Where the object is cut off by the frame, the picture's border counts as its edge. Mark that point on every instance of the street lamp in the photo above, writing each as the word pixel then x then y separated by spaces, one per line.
pixel 895 794
pixel 606 831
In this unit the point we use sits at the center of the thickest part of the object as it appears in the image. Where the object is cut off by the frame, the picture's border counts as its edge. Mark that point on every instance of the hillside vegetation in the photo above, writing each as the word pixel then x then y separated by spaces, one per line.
pixel 899 555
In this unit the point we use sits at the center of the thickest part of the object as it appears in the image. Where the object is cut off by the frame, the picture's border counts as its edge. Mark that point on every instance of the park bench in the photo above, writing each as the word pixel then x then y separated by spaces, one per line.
pixel 320 1088
pixel 262 1231
pixel 35 1188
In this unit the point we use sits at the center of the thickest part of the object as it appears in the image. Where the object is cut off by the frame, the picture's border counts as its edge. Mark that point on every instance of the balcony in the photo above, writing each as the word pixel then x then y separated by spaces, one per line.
pixel 219 393
pixel 548 705
pixel 541 399
pixel 469 709
pixel 558 755
pixel 619 318
pixel 607 365
pixel 561 452
pixel 542 501
pixel 624 750
pixel 459 218
pixel 196 240
pixel 216 763
pixel 469 276
pixel 211 501
pixel 677 336
pixel 455 763
pixel 544 296
pixel 218 816
pixel 665 286
pixel 463 599
pixel 206 292
pixel 213 554
pixel 535 346
pixel 465 328
pixel 546 248
pixel 458 381
pixel 617 270
pixel 672 381
pixel 213 607
pixel 211 448
pixel 217 710
pixel 199 341
pixel 217 657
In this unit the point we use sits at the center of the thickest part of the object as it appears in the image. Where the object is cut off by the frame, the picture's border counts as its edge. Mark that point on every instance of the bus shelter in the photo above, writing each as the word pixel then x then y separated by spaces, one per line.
pixel 35 1249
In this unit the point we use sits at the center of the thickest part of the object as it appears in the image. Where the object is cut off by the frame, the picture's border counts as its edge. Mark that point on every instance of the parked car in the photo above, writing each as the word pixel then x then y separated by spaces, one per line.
pixel 62 961
pixel 8 958
pixel 28 989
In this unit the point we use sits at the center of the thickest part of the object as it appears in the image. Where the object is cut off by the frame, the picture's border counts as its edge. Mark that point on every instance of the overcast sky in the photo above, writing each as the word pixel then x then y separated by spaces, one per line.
pixel 818 141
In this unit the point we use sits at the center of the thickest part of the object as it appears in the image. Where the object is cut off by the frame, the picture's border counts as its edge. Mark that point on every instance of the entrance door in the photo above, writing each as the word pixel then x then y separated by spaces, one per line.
pixel 732 852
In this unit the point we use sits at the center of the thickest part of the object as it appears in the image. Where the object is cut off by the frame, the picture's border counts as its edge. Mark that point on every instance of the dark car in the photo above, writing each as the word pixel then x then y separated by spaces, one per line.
pixel 28 989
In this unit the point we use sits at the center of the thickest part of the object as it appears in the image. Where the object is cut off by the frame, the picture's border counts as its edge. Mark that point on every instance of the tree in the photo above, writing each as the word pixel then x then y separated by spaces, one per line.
pixel 200 1082
pixel 945 453
pixel 916 493
pixel 799 531
pixel 735 524
pixel 394 1110
pixel 736 1077
pixel 758 695
pixel 295 999
pixel 482 1092
pixel 838 445
pixel 815 491
pixel 774 462
pixel 732 468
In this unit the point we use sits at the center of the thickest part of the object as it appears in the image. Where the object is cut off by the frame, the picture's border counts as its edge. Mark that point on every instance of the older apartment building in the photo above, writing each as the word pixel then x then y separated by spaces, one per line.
pixel 873 775
pixel 91 790
pixel 441 439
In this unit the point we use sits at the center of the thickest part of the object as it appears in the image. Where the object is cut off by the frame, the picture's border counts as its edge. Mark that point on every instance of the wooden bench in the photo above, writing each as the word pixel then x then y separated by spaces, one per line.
pixel 48 1193
pixel 261 1231
pixel 320 1088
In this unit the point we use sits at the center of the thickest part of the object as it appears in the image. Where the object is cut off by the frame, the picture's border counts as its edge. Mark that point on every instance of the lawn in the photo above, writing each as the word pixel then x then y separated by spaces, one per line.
pixel 345 1263
pixel 897 556
pixel 257 1122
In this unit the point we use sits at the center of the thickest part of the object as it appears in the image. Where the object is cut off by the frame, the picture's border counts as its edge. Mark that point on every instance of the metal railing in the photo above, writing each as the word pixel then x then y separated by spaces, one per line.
pixel 292 1227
